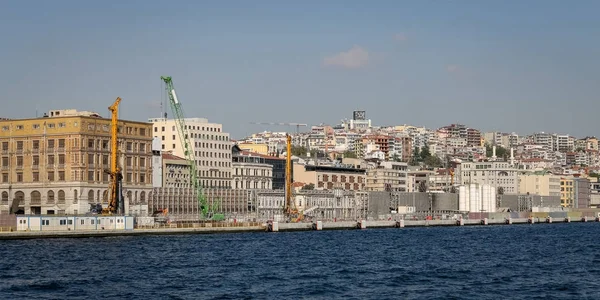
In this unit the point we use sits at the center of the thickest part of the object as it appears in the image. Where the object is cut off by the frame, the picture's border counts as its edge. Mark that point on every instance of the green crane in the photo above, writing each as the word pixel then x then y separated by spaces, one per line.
pixel 186 143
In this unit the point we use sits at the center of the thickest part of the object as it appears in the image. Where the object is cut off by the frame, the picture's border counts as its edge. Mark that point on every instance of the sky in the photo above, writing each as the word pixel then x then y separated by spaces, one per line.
pixel 510 66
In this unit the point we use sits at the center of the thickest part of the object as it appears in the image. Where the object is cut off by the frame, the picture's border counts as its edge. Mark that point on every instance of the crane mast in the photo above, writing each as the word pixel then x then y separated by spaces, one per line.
pixel 115 187
pixel 186 143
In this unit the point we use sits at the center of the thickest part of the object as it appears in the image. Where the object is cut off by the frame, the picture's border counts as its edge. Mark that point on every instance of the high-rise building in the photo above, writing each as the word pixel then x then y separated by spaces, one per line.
pixel 210 145
pixel 55 165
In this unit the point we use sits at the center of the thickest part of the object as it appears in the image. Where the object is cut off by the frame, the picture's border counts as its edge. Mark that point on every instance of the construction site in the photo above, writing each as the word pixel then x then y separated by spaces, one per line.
pixel 77 164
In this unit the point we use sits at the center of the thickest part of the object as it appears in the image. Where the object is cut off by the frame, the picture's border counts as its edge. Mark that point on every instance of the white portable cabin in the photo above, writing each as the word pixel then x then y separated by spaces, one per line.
pixel 66 223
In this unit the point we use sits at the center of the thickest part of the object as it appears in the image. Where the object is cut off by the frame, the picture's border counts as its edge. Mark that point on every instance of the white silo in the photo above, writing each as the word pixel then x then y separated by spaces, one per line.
pixel 493 200
pixel 474 198
pixel 485 195
pixel 463 198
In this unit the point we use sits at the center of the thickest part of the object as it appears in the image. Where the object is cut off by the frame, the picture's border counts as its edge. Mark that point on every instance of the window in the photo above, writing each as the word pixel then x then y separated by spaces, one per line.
pixel 128 161
pixel 36 145
pixel 129 146
pixel 4 146
pixel 50 175
pixel 36 176
pixel 20 161
pixel 105 160
pixel 5 161
pixel 51 160
pixel 50 144
pixel 19 146
pixel 105 144
pixel 61 159
pixel 90 143
pixel 19 127
pixel 90 159
pixel 142 147
pixel 62 125
pixel 142 162
pixel 142 178
pixel 4 177
pixel 90 175
pixel 143 131
pixel 129 177
pixel 19 177
pixel 4 128
pixel 61 143
pixel 173 146
pixel 61 175
pixel 173 137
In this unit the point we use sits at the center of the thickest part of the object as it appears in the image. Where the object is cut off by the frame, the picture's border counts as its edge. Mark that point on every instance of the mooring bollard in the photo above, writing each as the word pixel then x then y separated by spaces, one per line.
pixel 460 222
pixel 549 220
pixel 484 221
pixel 568 219
pixel 400 224
pixel 509 221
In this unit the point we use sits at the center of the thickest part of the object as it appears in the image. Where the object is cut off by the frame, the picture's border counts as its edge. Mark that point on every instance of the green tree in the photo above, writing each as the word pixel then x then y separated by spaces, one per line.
pixel 416 157
pixel 423 186
pixel 433 161
pixel 309 187
pixel 396 157
pixel 500 151
pixel 500 190
pixel 299 150
pixel 349 154
pixel 424 153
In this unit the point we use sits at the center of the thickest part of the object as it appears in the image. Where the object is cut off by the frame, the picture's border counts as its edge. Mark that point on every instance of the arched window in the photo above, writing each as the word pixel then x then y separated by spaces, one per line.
pixel 61 196
pixel 91 196
pixel 36 197
pixel 75 196
pixel 5 197
pixel 143 197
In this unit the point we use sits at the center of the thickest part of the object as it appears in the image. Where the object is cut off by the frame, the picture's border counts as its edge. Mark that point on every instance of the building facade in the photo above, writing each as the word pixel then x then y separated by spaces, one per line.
pixel 499 174
pixel 331 177
pixel 176 172
pixel 387 176
pixel 210 145
pixel 544 184
pixel 251 172
pixel 56 165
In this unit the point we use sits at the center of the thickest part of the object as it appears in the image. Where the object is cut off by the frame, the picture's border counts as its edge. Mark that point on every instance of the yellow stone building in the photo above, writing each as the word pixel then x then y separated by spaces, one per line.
pixel 566 192
pixel 55 165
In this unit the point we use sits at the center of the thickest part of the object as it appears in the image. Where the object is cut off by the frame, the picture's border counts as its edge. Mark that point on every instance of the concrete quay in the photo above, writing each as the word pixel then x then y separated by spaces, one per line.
pixel 284 227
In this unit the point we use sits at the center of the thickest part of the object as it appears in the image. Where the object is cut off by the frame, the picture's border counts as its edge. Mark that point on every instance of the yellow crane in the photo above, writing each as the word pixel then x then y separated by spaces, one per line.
pixel 290 209
pixel 116 178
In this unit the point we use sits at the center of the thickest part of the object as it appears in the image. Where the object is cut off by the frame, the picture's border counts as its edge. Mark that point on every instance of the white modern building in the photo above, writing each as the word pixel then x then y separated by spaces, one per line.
pixel 210 145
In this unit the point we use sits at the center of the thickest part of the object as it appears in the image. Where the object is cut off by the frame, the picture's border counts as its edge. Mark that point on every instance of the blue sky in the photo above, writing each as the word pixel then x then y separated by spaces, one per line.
pixel 521 66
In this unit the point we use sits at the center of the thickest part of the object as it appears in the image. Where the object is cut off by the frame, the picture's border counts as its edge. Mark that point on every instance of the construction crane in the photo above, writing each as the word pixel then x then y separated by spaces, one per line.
pixel 298 125
pixel 115 202
pixel 290 209
pixel 186 143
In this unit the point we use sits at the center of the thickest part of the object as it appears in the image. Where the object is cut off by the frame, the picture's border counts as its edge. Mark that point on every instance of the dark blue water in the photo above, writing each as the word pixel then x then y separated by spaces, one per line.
pixel 542 261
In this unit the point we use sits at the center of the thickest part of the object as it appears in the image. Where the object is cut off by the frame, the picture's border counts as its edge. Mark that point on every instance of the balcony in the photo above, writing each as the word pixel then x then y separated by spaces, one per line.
pixel 61 166
pixel 19 167
pixel 50 166
pixel 35 167
pixel 4 151
pixel 19 151
pixel 60 149
pixel 35 150
pixel 5 167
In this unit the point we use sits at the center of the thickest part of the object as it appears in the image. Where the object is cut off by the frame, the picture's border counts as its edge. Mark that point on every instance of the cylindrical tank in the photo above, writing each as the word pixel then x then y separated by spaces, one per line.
pixel 493 199
pixel 463 198
pixel 485 195
pixel 474 198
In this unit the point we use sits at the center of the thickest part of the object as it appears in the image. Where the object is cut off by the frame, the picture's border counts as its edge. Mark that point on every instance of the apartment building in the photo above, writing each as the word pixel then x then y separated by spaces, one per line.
pixel 330 177
pixel 499 174
pixel 567 195
pixel 56 164
pixel 250 171
pixel 176 171
pixel 540 183
pixel 210 145
pixel 387 176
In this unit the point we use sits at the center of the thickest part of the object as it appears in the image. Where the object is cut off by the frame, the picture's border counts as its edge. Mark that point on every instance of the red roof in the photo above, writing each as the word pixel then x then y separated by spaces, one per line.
pixel 171 156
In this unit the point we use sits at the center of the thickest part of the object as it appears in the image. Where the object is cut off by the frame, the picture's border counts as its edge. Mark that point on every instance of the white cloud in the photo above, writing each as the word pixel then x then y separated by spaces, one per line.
pixel 452 68
pixel 354 58
pixel 401 37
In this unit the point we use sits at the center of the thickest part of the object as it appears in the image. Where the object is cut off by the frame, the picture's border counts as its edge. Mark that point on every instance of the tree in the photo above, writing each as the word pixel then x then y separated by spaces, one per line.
pixel 299 150
pixel 416 157
pixel 500 151
pixel 349 154
pixel 433 162
pixel 424 153
pixel 500 190
pixel 422 186
pixel 309 187
pixel 396 157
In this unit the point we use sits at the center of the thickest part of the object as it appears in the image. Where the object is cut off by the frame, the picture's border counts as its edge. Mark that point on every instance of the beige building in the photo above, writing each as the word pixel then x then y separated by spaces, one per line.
pixel 543 184
pixel 55 165
pixel 387 176
pixel 256 148
pixel 251 172
pixel 330 177
pixel 499 174
pixel 211 147
pixel 567 195
pixel 176 171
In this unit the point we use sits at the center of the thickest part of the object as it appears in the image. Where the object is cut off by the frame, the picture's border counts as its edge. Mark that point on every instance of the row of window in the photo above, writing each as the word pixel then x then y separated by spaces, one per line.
pixel 35 176
pixel 190 127
pixel 37 126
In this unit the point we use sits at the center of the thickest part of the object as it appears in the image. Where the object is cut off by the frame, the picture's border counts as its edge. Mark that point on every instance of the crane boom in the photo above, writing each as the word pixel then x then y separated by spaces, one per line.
pixel 186 143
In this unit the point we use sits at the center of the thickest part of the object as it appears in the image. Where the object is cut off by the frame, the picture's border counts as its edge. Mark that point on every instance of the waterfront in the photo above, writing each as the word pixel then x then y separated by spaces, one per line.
pixel 478 262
